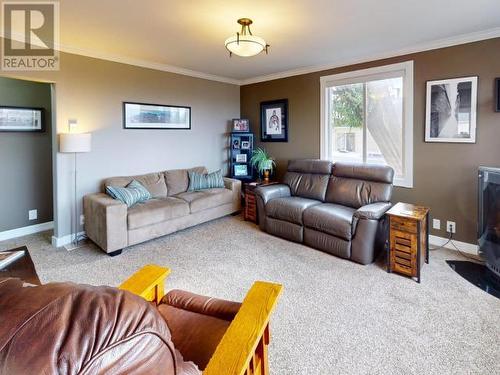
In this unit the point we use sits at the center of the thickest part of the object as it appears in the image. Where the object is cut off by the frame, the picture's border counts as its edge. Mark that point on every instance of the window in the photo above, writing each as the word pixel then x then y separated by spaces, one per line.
pixel 367 116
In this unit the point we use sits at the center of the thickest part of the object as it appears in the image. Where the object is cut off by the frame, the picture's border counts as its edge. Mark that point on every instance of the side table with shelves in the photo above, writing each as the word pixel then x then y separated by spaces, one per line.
pixel 408 246
pixel 250 213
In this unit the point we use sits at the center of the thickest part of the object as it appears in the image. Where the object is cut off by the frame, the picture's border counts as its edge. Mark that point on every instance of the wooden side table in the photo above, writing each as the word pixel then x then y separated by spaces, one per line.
pixel 408 239
pixel 250 213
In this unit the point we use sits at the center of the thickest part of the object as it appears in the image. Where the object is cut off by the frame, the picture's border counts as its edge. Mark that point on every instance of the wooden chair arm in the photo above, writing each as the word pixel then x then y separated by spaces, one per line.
pixel 148 282
pixel 243 348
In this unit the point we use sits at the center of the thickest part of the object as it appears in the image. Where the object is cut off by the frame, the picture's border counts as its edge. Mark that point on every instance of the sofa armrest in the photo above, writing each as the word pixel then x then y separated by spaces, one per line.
pixel 232 184
pixel 105 221
pixel 373 211
pixel 217 308
pixel 268 192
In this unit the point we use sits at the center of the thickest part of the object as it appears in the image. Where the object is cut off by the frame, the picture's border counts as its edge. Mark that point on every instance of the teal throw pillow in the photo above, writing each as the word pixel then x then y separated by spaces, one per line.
pixel 198 181
pixel 133 193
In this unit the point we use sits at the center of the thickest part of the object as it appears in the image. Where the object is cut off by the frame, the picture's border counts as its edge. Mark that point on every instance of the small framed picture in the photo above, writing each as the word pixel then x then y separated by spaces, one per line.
pixel 241 158
pixel 245 145
pixel 451 110
pixel 236 144
pixel 274 121
pixel 497 94
pixel 241 170
pixel 241 125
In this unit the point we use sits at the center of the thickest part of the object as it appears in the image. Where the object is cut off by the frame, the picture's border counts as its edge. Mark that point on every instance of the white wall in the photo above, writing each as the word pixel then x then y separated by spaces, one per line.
pixel 93 90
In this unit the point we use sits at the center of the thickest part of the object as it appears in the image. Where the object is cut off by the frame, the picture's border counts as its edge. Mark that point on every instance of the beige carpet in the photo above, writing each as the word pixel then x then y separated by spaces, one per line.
pixel 334 317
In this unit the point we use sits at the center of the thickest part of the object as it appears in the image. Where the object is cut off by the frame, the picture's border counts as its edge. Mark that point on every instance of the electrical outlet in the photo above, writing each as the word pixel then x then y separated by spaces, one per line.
pixel 32 214
pixel 82 219
pixel 451 227
pixel 436 224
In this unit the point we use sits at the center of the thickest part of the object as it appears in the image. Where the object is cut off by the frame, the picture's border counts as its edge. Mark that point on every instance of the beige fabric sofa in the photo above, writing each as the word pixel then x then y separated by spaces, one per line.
pixel 113 226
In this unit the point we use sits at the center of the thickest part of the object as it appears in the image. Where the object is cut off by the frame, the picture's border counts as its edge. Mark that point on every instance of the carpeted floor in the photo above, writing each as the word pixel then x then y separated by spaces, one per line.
pixel 334 317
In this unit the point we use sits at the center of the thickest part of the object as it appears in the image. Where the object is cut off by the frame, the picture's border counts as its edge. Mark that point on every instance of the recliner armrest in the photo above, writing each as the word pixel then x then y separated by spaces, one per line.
pixel 218 308
pixel 373 211
pixel 269 192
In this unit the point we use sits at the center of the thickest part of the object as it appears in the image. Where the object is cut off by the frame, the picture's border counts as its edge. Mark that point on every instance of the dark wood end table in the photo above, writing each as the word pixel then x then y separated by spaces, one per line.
pixel 22 268
pixel 250 213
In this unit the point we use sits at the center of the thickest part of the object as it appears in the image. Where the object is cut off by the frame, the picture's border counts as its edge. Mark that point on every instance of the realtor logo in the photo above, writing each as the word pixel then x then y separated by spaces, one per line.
pixel 30 33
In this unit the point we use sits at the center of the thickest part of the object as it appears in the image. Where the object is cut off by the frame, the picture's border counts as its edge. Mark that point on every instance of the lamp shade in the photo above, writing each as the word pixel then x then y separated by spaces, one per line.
pixel 75 142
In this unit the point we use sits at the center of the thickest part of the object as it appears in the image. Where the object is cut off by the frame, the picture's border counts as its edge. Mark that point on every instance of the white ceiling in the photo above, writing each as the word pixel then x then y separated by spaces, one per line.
pixel 190 35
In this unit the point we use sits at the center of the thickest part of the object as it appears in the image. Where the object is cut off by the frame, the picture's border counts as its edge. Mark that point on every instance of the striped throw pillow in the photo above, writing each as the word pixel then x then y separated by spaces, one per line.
pixel 198 181
pixel 130 195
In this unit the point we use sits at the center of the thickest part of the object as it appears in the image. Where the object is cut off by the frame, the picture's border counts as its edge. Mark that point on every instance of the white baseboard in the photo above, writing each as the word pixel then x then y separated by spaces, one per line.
pixel 24 231
pixel 463 246
pixel 64 240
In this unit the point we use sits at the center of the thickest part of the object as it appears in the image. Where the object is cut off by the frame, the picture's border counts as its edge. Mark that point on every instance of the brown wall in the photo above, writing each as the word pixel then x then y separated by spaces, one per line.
pixel 444 174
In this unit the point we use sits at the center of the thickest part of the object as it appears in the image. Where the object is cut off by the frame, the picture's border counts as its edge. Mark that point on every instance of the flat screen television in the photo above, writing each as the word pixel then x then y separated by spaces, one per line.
pixel 489 218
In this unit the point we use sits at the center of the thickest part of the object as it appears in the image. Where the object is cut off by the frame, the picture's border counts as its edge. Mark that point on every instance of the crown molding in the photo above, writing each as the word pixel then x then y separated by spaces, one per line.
pixel 427 46
pixel 435 44
pixel 147 64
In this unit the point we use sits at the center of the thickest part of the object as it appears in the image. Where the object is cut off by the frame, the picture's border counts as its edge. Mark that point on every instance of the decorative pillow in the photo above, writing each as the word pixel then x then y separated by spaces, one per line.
pixel 130 195
pixel 198 181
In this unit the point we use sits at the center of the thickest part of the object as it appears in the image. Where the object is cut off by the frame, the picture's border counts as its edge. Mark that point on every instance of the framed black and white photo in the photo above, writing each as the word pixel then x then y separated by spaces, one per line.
pixel 241 125
pixel 274 121
pixel 245 145
pixel 156 116
pixel 451 110
pixel 497 94
pixel 21 119
pixel 241 158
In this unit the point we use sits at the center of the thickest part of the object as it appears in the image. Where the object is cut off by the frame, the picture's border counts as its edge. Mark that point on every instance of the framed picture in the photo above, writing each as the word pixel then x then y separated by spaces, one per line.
pixel 21 119
pixel 245 145
pixel 155 116
pixel 274 121
pixel 241 170
pixel 241 125
pixel 236 144
pixel 241 158
pixel 497 94
pixel 451 110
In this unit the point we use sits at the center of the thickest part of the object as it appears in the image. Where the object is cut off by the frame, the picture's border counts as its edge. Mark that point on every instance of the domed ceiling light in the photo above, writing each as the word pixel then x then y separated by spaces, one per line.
pixel 245 44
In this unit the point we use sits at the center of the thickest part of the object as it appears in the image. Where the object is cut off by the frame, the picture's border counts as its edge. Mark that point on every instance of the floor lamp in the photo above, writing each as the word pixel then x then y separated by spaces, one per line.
pixel 74 143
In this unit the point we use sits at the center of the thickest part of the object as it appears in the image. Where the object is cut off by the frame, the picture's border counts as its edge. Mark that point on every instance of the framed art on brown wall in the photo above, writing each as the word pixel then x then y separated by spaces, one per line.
pixel 274 121
pixel 497 94
pixel 451 110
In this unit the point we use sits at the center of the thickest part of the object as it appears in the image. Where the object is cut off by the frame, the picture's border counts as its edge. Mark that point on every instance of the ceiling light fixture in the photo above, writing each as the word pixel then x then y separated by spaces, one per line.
pixel 245 44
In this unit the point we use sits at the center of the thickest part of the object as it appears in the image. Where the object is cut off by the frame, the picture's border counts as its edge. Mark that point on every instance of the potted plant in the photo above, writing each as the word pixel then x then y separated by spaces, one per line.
pixel 263 163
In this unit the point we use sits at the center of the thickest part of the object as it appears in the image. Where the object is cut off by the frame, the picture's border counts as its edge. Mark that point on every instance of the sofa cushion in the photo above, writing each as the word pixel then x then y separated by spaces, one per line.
pixel 289 208
pixel 201 181
pixel 153 182
pixel 204 199
pixel 178 179
pixel 155 211
pixel 357 193
pixel 130 195
pixel 330 218
pixel 308 178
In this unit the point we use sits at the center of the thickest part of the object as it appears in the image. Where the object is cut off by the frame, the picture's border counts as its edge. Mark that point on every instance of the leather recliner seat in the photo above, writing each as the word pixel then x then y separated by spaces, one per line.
pixel 335 207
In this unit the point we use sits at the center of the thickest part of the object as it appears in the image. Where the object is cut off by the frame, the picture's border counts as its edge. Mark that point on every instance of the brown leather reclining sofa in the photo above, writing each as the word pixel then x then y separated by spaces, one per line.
pixel 335 207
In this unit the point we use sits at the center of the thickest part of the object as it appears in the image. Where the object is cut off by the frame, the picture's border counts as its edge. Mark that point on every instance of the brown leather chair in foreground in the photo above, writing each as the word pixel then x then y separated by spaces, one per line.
pixel 65 328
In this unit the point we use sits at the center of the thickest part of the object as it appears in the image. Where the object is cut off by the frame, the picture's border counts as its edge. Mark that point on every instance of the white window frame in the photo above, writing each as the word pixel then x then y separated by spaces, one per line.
pixel 405 70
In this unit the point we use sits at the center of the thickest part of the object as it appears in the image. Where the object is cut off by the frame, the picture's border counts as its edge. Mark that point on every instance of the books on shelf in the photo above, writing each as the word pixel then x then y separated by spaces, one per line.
pixel 7 257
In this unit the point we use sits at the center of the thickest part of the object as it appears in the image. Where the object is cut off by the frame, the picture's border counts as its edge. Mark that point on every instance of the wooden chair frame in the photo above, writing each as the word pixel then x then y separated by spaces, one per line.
pixel 243 349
